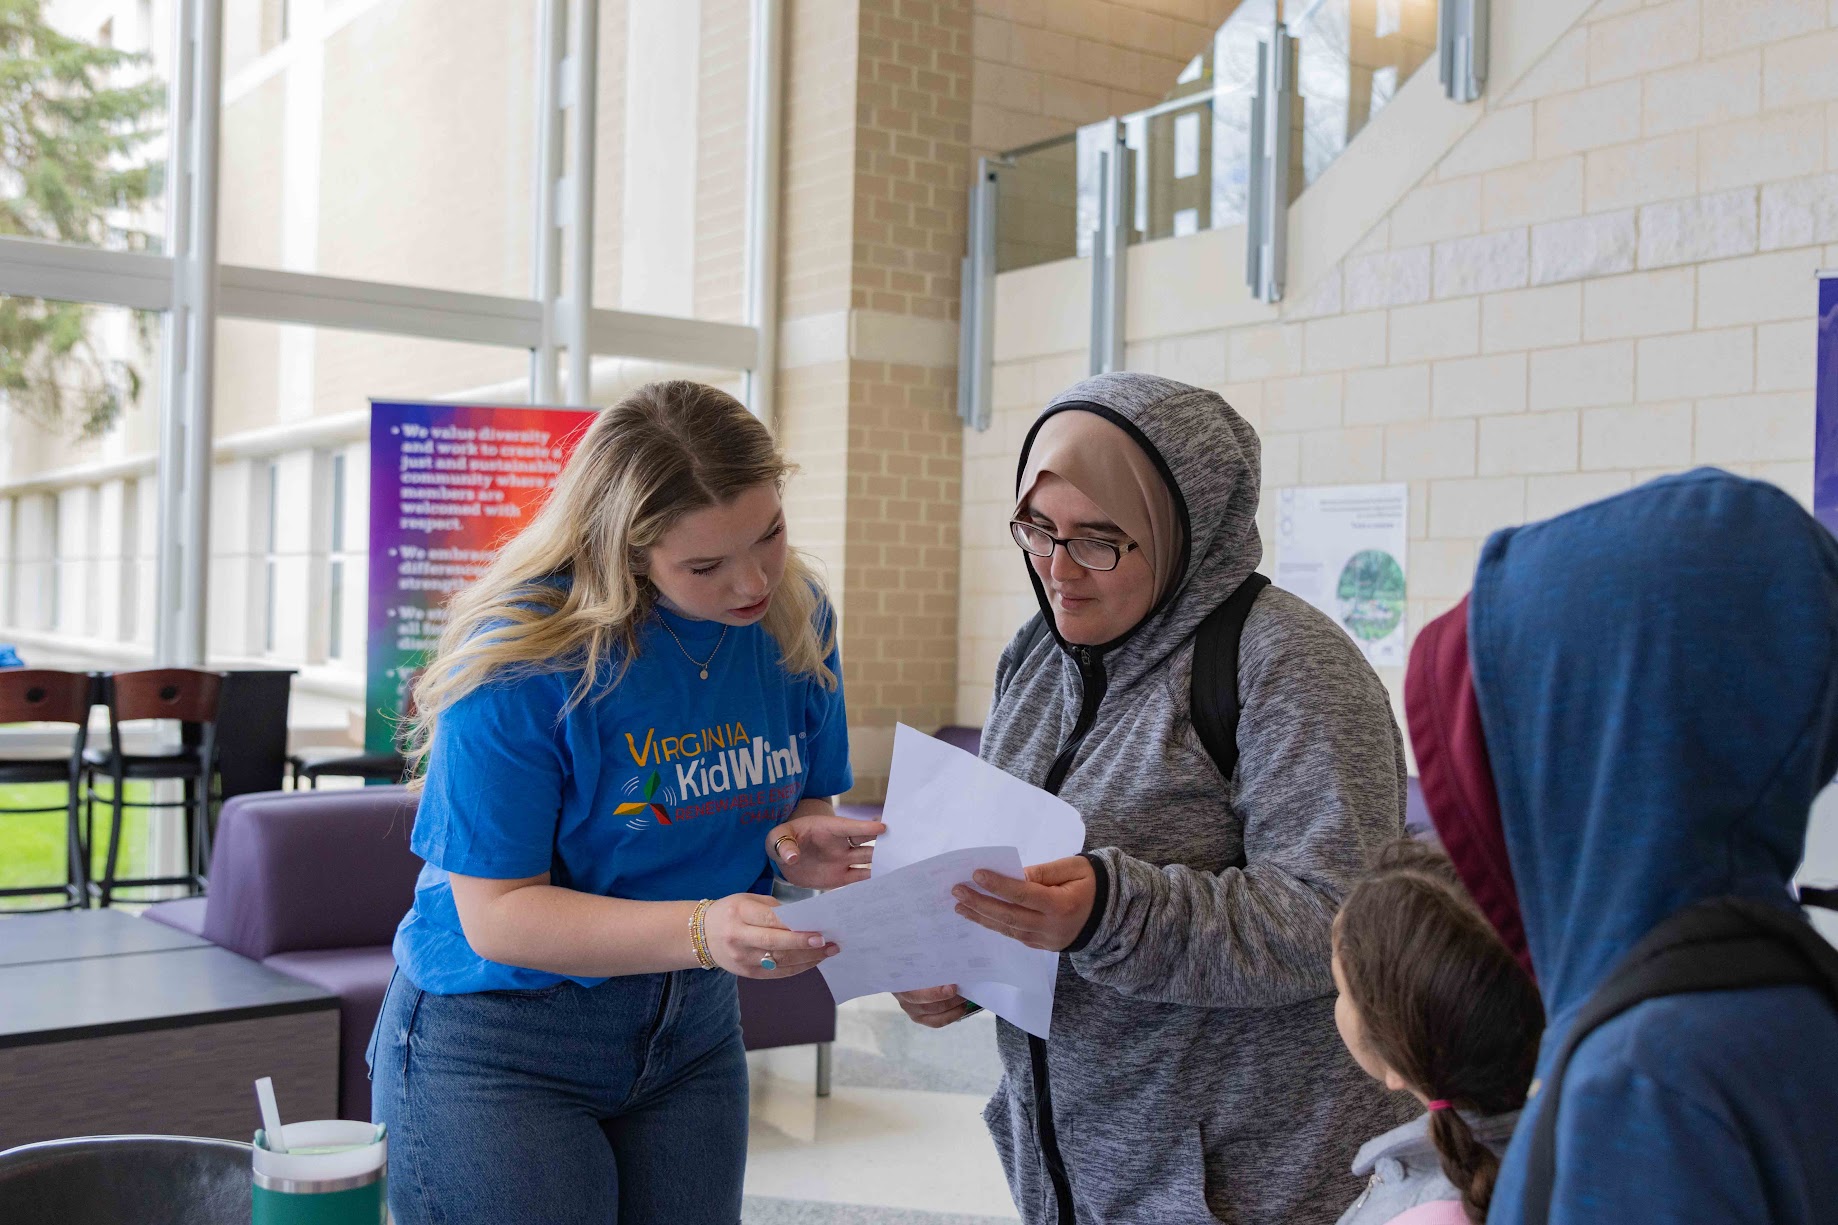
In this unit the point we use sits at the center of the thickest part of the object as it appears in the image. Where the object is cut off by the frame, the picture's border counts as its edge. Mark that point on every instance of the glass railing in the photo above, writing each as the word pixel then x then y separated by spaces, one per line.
pixel 1192 151
pixel 1351 57
pixel 1038 220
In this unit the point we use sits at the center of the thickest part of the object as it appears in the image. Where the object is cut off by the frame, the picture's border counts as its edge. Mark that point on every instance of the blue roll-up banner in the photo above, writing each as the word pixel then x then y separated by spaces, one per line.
pixel 1825 399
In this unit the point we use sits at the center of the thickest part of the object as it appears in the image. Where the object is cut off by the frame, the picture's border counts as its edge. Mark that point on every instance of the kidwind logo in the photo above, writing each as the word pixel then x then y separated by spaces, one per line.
pixel 646 807
pixel 716 769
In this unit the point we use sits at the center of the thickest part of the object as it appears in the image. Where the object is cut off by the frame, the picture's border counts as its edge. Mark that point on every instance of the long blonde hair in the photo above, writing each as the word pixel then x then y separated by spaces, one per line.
pixel 664 451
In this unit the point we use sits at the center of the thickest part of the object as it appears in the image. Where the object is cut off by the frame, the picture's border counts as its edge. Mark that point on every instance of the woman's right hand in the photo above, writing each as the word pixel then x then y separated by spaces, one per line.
pixel 741 929
pixel 935 1007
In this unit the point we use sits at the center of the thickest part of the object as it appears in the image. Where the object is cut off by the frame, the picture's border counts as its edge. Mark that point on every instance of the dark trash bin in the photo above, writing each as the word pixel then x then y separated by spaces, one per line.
pixel 107 1180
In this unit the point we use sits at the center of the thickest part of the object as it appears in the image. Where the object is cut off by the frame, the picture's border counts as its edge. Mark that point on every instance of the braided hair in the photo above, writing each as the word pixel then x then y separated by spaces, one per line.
pixel 1442 1002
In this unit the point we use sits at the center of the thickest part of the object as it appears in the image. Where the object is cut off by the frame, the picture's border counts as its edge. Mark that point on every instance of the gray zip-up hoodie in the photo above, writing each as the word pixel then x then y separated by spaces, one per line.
pixel 1403 1170
pixel 1194 1070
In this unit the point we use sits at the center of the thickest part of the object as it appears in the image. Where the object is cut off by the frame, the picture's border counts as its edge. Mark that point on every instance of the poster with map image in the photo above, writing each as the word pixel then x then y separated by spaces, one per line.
pixel 1342 548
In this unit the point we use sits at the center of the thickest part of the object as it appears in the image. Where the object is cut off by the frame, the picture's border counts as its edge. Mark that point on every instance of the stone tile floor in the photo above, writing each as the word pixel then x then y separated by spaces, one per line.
pixel 900 1141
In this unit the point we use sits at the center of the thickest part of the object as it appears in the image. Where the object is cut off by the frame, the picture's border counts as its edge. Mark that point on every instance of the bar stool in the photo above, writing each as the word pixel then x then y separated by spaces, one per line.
pixel 41 695
pixel 190 697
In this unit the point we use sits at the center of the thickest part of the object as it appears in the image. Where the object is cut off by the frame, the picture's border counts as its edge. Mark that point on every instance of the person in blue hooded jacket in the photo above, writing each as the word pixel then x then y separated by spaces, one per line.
pixel 1657 679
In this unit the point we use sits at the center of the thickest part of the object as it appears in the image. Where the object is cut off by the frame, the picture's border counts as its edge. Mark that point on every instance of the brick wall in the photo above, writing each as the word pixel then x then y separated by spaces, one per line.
pixel 818 160
pixel 905 465
pixel 912 112
pixel 876 173
pixel 1609 278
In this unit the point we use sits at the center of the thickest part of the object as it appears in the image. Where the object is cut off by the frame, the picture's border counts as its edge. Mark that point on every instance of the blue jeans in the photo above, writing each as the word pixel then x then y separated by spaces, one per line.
pixel 626 1102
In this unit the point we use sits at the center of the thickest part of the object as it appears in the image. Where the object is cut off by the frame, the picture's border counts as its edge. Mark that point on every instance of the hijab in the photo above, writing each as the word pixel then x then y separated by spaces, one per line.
pixel 1096 457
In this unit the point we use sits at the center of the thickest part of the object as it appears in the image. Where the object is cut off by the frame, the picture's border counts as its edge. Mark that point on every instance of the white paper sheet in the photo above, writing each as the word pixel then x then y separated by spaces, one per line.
pixel 940 799
pixel 900 930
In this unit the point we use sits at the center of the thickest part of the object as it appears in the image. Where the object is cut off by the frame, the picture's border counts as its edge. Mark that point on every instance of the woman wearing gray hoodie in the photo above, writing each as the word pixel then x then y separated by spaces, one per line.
pixel 1193 1073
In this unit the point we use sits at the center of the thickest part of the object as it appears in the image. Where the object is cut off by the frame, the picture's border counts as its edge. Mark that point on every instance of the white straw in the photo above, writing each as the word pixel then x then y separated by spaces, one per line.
pixel 271 1114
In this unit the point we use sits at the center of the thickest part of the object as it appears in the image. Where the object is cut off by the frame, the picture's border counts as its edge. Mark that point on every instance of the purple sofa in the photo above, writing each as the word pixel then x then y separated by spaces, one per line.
pixel 313 883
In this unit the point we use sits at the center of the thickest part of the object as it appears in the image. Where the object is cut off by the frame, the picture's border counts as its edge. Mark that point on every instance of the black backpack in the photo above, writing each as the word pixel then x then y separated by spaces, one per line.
pixel 1213 697
pixel 1724 944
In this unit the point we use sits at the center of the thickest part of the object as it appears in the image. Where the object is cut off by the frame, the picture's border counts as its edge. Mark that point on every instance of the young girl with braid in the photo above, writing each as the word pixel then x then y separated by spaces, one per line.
pixel 1431 1003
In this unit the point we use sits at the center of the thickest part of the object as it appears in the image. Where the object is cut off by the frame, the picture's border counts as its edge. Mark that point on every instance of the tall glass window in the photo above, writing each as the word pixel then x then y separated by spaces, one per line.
pixel 271 560
pixel 336 564
pixel 389 141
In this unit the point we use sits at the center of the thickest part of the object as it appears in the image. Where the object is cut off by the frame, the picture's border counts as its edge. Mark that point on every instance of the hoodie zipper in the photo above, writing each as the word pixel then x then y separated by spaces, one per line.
pixel 1093 683
pixel 1092 677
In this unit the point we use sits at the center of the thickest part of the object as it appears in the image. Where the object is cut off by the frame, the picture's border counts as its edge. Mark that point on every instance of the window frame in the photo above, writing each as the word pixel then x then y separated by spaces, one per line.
pixel 191 289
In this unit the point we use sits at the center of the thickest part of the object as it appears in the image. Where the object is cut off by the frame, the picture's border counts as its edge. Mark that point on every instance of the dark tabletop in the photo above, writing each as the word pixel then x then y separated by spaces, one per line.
pixel 68 935
pixel 157 979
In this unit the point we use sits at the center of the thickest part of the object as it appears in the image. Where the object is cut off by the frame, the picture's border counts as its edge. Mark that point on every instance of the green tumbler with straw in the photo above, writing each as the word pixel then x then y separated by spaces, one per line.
pixel 334 1172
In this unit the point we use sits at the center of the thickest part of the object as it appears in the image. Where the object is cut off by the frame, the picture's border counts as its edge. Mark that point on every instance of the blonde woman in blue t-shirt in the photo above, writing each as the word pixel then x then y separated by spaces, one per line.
pixel 635 713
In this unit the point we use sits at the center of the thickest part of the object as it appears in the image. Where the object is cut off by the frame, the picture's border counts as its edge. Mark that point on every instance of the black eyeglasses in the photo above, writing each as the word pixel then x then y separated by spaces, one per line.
pixel 1083 550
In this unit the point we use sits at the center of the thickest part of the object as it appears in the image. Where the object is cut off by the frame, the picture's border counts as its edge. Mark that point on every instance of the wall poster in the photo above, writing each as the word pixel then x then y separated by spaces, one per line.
pixel 1342 548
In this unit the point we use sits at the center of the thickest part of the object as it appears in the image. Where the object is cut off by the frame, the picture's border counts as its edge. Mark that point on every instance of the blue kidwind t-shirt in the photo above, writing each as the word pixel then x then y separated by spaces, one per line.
pixel 658 788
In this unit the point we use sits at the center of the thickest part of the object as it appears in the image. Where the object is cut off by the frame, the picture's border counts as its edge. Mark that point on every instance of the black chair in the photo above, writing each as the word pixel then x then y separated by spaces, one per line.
pixel 311 765
pixel 338 762
pixel 149 1180
pixel 191 698
pixel 39 695
pixel 252 731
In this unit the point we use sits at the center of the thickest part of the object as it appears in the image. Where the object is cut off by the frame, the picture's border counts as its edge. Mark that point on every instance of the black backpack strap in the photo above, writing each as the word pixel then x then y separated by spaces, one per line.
pixel 1035 630
pixel 1725 944
pixel 1213 698
pixel 1825 897
pixel 1031 634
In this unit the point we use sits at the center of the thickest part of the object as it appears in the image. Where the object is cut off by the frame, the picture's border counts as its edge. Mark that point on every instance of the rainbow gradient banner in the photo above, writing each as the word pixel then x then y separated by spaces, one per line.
pixel 1825 411
pixel 449 484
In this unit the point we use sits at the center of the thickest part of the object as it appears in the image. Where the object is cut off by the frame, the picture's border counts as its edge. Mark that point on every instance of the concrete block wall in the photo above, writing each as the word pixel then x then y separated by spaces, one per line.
pixel 1609 277
pixel 74 573
pixel 73 559
pixel 239 537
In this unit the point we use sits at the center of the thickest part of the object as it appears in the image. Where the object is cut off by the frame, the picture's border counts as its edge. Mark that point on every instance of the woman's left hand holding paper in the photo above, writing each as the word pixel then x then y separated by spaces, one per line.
pixel 1047 910
pixel 823 851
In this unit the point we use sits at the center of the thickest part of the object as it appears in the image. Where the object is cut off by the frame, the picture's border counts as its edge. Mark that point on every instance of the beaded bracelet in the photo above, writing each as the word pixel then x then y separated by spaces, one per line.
pixel 698 934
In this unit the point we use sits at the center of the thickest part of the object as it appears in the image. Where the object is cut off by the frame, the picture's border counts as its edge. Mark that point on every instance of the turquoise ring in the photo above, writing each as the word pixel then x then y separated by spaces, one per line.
pixel 766 963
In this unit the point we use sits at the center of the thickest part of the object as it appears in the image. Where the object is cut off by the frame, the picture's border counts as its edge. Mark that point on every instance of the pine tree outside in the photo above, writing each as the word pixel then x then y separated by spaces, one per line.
pixel 80 124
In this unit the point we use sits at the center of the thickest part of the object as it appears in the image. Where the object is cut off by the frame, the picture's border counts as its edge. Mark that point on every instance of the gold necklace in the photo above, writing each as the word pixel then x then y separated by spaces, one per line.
pixel 704 663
